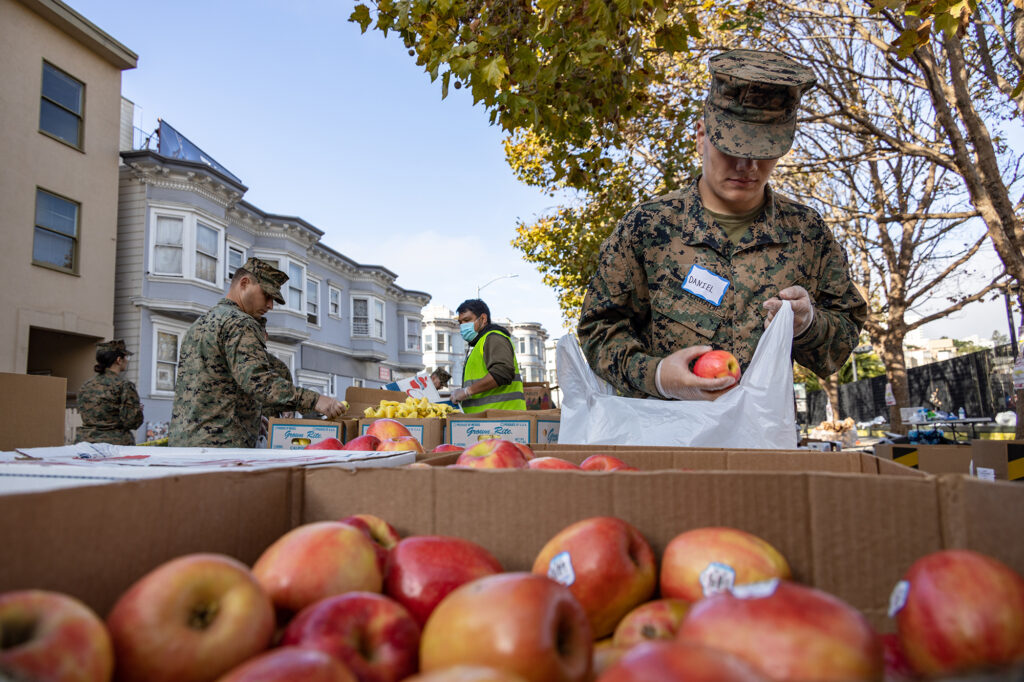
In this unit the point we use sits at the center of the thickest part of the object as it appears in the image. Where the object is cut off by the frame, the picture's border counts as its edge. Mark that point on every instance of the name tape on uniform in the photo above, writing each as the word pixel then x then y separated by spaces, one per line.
pixel 705 284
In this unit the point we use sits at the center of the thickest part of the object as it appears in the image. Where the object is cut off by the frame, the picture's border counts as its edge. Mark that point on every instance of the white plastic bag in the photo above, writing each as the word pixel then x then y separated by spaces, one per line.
pixel 759 413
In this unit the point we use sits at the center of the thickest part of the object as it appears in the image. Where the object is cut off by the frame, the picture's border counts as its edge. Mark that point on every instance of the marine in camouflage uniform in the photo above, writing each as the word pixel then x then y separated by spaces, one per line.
pixel 225 374
pixel 108 403
pixel 637 311
pixel 282 370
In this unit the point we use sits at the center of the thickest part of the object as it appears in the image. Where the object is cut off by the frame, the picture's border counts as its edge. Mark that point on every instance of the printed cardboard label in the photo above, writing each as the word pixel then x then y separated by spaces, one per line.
pixel 298 436
pixel 547 431
pixel 986 473
pixel 467 432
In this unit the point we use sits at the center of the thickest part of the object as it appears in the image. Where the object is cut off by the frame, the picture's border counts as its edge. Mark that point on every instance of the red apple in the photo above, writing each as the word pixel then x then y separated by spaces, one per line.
pixel 551 463
pixel 383 534
pixel 492 454
pixel 387 428
pixel 607 565
pixel 703 561
pixel 52 637
pixel 606 654
pixel 958 610
pixel 664 661
pixel 897 667
pixel 374 636
pixel 190 619
pixel 717 363
pixel 423 569
pixel 658 619
pixel 787 631
pixel 467 673
pixel 526 450
pixel 318 560
pixel 448 447
pixel 401 443
pixel 364 443
pixel 326 444
pixel 603 463
pixel 291 664
pixel 518 622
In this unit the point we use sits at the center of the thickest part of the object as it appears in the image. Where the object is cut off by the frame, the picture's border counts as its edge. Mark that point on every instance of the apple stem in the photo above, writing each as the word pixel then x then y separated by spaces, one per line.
pixel 202 616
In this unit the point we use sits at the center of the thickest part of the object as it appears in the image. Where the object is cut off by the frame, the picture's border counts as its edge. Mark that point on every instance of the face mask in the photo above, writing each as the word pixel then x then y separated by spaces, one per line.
pixel 467 331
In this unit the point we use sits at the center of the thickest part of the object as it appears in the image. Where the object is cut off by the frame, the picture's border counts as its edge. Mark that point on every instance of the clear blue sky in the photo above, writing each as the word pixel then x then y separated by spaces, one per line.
pixel 345 131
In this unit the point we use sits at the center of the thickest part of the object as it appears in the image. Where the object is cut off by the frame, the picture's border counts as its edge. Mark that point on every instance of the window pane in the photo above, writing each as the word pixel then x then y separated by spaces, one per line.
pixel 295 273
pixel 62 88
pixel 440 343
pixel 167 259
pixel 55 249
pixel 378 327
pixel 59 215
pixel 59 122
pixel 206 240
pixel 164 377
pixel 206 267
pixel 359 307
pixel 312 294
pixel 168 230
pixel 166 347
pixel 378 308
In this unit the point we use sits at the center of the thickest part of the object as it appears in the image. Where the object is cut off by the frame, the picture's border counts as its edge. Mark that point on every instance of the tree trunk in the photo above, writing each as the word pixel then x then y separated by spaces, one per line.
pixel 896 373
pixel 831 387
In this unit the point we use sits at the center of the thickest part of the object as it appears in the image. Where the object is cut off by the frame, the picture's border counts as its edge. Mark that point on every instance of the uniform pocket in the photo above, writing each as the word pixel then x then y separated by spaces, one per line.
pixel 687 310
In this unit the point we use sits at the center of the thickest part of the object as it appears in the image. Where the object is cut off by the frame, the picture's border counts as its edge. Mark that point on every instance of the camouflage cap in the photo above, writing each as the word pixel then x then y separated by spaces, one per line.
pixel 114 346
pixel 751 107
pixel 269 277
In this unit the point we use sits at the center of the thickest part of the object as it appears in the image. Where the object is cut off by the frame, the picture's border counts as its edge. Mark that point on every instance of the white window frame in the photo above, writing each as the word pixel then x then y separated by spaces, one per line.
pixel 189 228
pixel 418 347
pixel 442 339
pixel 232 246
pixel 371 308
pixel 428 341
pixel 333 301
pixel 314 381
pixel 283 353
pixel 165 327
pixel 319 308
pixel 358 383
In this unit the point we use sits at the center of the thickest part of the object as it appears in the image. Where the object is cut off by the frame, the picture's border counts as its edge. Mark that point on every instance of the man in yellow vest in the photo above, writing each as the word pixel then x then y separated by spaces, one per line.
pixel 491 379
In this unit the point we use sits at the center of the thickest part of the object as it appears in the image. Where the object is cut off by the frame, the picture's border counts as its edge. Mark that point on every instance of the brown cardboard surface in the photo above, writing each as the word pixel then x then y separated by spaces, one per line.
pixel 360 398
pixel 948 459
pixel 1011 452
pixel 94 542
pixel 979 515
pixel 31 410
pixel 428 431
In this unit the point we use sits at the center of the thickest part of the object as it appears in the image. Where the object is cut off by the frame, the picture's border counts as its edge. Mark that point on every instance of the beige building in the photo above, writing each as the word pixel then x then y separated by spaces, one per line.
pixel 60 78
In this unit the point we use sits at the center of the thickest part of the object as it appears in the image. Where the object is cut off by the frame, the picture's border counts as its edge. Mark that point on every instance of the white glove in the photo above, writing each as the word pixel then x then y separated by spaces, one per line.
pixel 803 308
pixel 459 394
pixel 675 380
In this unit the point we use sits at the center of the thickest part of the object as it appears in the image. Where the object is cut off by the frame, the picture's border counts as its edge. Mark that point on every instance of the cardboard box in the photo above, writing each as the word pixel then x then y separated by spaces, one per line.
pixel 538 395
pixel 32 410
pixel 429 431
pixel 835 529
pixel 983 463
pixel 296 434
pixel 361 398
pixel 467 429
pixel 1008 452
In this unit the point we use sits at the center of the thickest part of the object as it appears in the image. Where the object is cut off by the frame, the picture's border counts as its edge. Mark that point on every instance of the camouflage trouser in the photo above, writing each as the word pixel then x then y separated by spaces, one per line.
pixel 89 434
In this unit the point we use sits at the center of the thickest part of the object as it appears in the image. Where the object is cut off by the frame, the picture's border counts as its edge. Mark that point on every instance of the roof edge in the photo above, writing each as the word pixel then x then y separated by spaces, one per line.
pixel 85 32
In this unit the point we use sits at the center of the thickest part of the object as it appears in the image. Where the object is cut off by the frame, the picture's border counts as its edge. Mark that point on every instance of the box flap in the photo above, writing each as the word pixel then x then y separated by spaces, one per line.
pixel 32 410
pixel 986 516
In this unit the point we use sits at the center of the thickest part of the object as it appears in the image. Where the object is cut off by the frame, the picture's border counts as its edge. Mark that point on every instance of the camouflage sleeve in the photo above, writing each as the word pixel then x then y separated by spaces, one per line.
pixel 839 314
pixel 246 356
pixel 131 407
pixel 616 308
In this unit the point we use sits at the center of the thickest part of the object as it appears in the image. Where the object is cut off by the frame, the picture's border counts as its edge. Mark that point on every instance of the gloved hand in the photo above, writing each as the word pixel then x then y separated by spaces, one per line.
pixel 459 394
pixel 803 308
pixel 329 407
pixel 675 380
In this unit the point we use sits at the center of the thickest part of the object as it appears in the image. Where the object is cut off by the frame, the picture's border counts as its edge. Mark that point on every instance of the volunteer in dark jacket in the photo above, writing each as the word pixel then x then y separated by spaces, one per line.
pixel 491 378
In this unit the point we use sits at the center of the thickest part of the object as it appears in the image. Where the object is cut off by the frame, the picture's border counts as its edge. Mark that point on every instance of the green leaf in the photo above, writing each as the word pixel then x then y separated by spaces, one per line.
pixel 445 78
pixel 361 16
pixel 495 70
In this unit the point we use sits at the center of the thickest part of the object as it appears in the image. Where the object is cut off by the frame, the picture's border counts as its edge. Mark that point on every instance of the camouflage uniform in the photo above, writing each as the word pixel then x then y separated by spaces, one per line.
pixel 636 311
pixel 225 375
pixel 282 371
pixel 109 406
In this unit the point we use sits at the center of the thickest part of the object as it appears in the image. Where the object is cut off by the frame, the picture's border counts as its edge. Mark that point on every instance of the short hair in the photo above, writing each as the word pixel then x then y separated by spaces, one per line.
pixel 106 358
pixel 240 273
pixel 475 306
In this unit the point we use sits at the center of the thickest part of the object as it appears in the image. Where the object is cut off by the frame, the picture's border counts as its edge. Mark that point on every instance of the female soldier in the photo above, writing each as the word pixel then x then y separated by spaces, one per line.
pixel 108 403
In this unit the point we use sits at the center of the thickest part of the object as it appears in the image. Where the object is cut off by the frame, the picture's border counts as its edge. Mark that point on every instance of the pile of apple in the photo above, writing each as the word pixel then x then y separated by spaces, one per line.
pixel 497 453
pixel 381 434
pixel 350 600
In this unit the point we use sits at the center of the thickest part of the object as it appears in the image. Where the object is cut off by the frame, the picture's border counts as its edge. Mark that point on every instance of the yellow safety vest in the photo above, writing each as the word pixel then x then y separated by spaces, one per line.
pixel 508 397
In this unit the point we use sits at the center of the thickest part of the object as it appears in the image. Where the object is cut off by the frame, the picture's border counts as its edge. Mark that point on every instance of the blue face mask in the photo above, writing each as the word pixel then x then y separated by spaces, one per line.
pixel 467 331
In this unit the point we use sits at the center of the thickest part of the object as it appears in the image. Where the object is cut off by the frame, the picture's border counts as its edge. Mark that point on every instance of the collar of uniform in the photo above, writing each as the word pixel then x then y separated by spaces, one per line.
pixel 764 230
